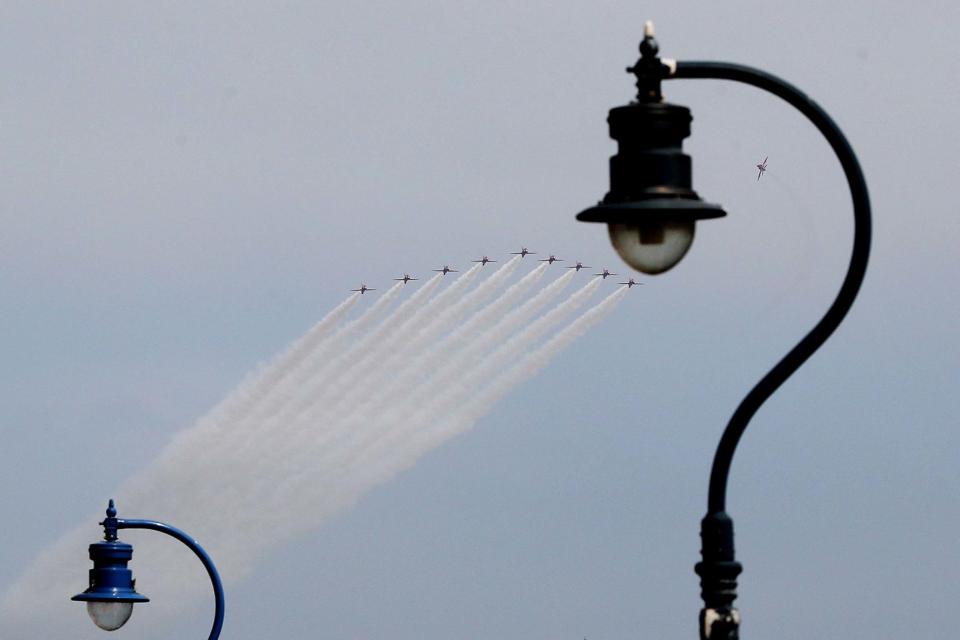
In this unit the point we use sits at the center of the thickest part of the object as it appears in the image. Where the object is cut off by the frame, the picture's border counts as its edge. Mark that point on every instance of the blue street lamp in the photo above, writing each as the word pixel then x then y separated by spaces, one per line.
pixel 112 593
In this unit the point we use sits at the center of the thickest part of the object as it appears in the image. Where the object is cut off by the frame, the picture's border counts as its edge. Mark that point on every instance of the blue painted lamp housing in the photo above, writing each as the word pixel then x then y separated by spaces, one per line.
pixel 112 593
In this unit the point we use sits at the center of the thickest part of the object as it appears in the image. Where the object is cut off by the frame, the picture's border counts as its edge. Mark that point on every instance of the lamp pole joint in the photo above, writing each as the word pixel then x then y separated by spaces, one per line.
pixel 718 571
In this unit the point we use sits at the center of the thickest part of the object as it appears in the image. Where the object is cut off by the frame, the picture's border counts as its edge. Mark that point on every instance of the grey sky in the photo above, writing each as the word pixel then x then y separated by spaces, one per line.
pixel 186 188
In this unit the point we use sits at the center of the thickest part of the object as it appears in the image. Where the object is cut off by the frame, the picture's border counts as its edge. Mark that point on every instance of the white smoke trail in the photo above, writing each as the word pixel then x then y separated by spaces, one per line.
pixel 178 477
pixel 411 385
pixel 322 363
pixel 252 388
pixel 409 382
pixel 276 417
pixel 381 384
pixel 239 501
pixel 374 355
pixel 442 321
pixel 379 466
pixel 317 389
pixel 472 338
pixel 63 558
pixel 322 439
pixel 411 407
pixel 492 316
pixel 181 475
pixel 329 396
pixel 407 334
pixel 382 459
pixel 534 362
pixel 308 359
pixel 356 355
pixel 440 394
pixel 326 418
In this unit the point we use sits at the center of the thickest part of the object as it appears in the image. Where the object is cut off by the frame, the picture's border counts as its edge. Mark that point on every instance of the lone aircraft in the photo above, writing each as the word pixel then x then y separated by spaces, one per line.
pixel 484 260
pixel 579 266
pixel 762 167
pixel 551 259
pixel 406 278
pixel 363 289
pixel 523 252
pixel 630 283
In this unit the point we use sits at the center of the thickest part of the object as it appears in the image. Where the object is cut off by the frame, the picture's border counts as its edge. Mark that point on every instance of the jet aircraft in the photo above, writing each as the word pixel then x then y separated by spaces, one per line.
pixel 523 252
pixel 406 278
pixel 484 260
pixel 630 283
pixel 551 259
pixel 579 266
pixel 446 270
pixel 762 167
pixel 605 274
pixel 363 289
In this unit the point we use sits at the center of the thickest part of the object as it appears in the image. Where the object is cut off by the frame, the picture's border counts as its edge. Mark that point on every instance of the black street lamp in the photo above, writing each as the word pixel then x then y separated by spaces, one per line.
pixel 651 211
pixel 112 593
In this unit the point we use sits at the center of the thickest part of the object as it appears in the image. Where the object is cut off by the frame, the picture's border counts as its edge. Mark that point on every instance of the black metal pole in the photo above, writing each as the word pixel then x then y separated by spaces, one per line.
pixel 718 570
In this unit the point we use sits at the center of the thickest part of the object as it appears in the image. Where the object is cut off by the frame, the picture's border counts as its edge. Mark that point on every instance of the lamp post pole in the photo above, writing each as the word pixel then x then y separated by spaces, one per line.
pixel 650 183
pixel 718 568
pixel 112 584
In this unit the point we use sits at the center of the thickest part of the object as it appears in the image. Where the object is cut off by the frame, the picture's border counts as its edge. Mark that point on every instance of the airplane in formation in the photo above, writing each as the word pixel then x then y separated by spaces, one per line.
pixel 523 253
pixel 605 274
pixel 446 270
pixel 762 167
pixel 363 289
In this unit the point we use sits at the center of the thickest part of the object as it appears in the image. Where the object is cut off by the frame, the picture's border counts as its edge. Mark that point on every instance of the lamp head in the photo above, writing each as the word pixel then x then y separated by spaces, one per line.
pixel 112 593
pixel 651 209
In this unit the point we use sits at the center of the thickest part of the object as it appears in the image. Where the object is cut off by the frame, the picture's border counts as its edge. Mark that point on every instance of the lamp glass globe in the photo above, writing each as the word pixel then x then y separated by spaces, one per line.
pixel 652 247
pixel 109 616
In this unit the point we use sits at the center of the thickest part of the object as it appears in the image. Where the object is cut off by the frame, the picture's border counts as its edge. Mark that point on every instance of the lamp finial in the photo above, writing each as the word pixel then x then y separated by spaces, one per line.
pixel 110 523
pixel 649 69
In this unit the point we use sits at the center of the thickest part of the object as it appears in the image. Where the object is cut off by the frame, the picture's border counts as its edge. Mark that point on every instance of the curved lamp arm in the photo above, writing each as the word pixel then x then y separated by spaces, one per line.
pixel 855 272
pixel 719 569
pixel 194 546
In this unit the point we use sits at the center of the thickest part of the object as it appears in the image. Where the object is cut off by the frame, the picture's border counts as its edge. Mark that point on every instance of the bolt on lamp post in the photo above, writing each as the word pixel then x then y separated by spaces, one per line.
pixel 111 594
pixel 651 211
